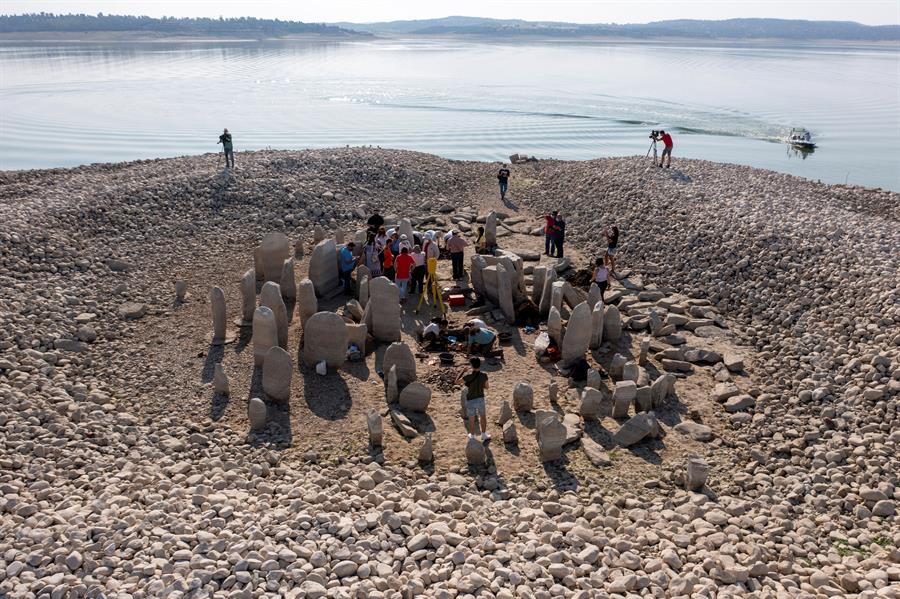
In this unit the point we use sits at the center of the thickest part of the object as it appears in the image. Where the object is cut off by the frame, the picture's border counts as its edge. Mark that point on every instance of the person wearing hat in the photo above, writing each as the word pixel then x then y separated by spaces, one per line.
pixel 456 244
pixel 403 242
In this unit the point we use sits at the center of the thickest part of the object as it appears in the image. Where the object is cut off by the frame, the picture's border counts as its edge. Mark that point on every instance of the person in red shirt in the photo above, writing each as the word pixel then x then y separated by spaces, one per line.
pixel 403 266
pixel 667 151
pixel 549 231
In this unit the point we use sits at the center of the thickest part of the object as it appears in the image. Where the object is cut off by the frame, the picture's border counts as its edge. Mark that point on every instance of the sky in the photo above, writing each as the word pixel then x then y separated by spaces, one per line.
pixel 870 12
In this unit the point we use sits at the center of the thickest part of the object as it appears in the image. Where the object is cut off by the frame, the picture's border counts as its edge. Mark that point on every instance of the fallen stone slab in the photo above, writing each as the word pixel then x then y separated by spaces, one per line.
pixel 403 424
pixel 695 430
pixel 739 403
pixel 595 453
pixel 132 310
pixel 634 430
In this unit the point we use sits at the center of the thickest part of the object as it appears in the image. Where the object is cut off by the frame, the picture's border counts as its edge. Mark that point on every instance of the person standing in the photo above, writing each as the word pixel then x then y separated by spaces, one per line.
pixel 227 147
pixel 667 150
pixel 348 263
pixel 370 255
pixel 476 384
pixel 559 235
pixel 419 270
pixel 549 228
pixel 503 180
pixel 387 262
pixel 403 266
pixel 375 222
pixel 456 244
pixel 601 277
pixel 612 247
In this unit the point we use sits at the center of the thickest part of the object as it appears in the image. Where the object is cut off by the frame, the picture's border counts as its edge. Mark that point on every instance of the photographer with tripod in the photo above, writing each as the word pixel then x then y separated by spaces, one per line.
pixel 227 147
pixel 667 149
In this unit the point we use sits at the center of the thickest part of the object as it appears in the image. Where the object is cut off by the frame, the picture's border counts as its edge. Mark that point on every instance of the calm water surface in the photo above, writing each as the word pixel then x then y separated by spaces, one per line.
pixel 70 104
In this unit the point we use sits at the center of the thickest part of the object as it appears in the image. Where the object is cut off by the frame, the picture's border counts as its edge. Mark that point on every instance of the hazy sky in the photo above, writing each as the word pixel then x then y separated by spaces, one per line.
pixel 871 12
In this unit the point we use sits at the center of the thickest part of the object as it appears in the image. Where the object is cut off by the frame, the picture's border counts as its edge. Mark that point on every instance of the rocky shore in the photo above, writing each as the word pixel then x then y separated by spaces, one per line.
pixel 114 483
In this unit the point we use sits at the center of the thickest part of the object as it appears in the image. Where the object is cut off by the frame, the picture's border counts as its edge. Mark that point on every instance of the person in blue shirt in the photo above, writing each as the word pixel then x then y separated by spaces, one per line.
pixel 348 263
pixel 481 340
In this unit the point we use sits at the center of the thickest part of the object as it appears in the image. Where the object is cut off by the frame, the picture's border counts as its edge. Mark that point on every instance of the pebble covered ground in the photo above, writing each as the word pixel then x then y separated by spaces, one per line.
pixel 106 494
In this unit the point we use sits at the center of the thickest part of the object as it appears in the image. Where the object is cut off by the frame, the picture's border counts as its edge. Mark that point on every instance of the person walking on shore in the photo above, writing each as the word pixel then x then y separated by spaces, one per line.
pixel 456 244
pixel 549 228
pixel 227 147
pixel 559 235
pixel 667 150
pixel 503 180
pixel 476 384
pixel 612 247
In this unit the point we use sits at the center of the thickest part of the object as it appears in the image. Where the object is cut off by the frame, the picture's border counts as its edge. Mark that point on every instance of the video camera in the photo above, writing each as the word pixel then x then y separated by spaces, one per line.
pixel 654 134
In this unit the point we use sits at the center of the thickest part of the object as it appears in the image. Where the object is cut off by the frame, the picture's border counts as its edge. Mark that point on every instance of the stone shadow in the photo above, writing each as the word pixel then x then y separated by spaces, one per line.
pixel 599 434
pixel 328 396
pixel 245 335
pixel 214 355
pixel 277 432
pixel 558 472
pixel 218 406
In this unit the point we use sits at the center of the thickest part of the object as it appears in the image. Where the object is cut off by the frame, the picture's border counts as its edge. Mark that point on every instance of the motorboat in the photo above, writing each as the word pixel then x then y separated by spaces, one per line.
pixel 800 138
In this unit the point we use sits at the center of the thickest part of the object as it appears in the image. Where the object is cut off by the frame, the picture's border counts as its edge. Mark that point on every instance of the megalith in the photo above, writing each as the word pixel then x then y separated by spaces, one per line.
pixel 547 292
pixel 391 387
pixel 490 229
pixel 406 229
pixel 426 452
pixel 278 370
pixel 400 355
pixel 538 275
pixel 256 411
pixel 591 403
pixel 362 289
pixel 557 293
pixel 593 295
pixel 578 334
pixel 220 381
pixel 265 333
pixel 695 473
pixel 612 324
pixel 551 435
pixel 597 324
pixel 274 250
pixel 217 306
pixel 476 273
pixel 416 397
pixel 325 338
pixel 505 294
pixel 323 267
pixel 623 397
pixel 270 297
pixel 554 325
pixel 248 298
pixel 383 309
pixel 356 335
pixel 475 453
pixel 258 268
pixel 307 304
pixel 288 280
pixel 523 397
pixel 318 233
pixel 375 427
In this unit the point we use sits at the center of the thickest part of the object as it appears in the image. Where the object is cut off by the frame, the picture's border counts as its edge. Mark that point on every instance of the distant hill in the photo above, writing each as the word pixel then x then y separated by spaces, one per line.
pixel 685 28
pixel 244 26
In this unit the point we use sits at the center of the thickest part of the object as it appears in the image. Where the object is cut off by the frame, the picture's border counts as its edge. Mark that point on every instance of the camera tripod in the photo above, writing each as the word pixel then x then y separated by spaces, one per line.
pixel 653 149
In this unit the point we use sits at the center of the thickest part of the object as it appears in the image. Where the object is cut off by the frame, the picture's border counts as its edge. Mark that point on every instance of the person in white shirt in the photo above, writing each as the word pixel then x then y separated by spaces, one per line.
pixel 419 270
pixel 601 276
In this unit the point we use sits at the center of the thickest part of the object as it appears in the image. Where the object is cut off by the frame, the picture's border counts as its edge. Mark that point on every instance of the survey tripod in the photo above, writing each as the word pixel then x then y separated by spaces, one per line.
pixel 432 287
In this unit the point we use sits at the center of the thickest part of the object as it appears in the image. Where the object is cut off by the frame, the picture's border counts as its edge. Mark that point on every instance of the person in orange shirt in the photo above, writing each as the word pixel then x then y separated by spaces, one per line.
pixel 388 262
pixel 403 266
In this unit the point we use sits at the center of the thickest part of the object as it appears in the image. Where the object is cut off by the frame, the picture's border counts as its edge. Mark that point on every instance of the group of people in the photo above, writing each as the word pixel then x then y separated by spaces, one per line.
pixel 554 234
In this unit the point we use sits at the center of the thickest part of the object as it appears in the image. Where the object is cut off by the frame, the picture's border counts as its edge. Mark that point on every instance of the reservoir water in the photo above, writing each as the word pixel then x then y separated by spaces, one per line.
pixel 65 104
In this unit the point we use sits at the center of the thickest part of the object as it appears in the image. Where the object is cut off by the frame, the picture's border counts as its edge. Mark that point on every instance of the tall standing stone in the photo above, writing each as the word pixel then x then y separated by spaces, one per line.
pixel 551 435
pixel 270 297
pixel 323 267
pixel 554 325
pixel 538 275
pixel 318 233
pixel 426 452
pixel 375 427
pixel 307 304
pixel 220 381
pixel 265 333
pixel 591 403
pixel 256 410
pixel 695 473
pixel 475 454
pixel 391 387
pixel 248 298
pixel 277 373
pixel 547 292
pixel 406 229
pixel 399 354
pixel 339 236
pixel 523 397
pixel 288 280
pixel 612 324
pixel 578 334
pixel 258 268
pixel 645 350
pixel 505 294
pixel 363 289
pixel 274 249
pixel 298 249
pixel 325 338
pixel 383 310
pixel 557 293
pixel 476 273
pixel 623 397
pixel 217 305
pixel 597 325
pixel 593 295
pixel 490 230
pixel 415 397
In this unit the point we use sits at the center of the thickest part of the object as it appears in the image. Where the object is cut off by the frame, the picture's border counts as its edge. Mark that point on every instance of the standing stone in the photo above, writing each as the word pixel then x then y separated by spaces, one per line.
pixel 405 228
pixel 612 324
pixel 356 335
pixel 597 325
pixel 217 305
pixel 265 333
pixel 323 268
pixel 376 428
pixel 339 237
pixel 307 304
pixel 363 289
pixel 505 413
pixel 617 366
pixel 553 392
pixel 274 249
pixel 270 297
pixel 591 403
pixel 277 372
pixel 643 400
pixel 401 355
pixel 490 230
pixel 510 434
pixel 547 292
pixel 631 371
pixel 634 430
pixel 656 323
pixel 594 379
pixel 383 310
pixel 298 249
pixel 426 452
pixel 505 294
pixel 696 473
pixel 661 388
pixel 318 233
pixel 325 338
pixel 361 271
pixel 258 269
pixel 578 335
pixel 538 275
pixel 288 280
pixel 180 290
pixel 256 410
pixel 554 325
pixel 623 397
pixel 463 393
pixel 220 381
pixel 476 274
pixel 391 387
pixel 645 349
pixel 551 435
pixel 593 296
pixel 415 396
pixel 475 453
pixel 557 293
pixel 523 397
pixel 248 298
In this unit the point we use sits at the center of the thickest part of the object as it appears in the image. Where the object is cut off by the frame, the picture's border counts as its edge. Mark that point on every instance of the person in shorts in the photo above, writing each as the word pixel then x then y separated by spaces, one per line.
pixel 601 277
pixel 476 384
pixel 503 180
pixel 612 247
pixel 667 150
